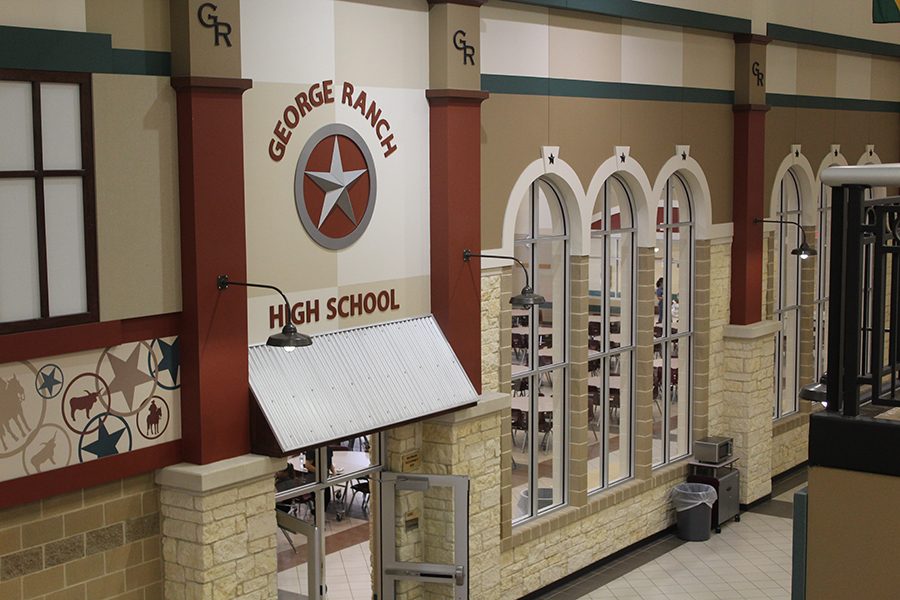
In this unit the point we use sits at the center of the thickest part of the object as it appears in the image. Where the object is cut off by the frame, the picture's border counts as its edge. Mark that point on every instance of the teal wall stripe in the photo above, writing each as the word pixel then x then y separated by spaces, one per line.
pixel 574 88
pixel 651 13
pixel 141 62
pixel 799 101
pixel 796 35
pixel 53 50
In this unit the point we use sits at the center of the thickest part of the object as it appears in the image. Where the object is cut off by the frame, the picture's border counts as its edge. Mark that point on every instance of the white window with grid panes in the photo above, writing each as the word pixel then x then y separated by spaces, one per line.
pixel 47 240
pixel 787 203
pixel 673 323
pixel 540 367
pixel 611 339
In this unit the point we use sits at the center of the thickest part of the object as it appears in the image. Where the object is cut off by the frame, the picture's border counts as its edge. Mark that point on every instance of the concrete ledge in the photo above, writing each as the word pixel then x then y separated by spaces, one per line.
pixel 202 479
pixel 752 331
pixel 789 423
pixel 488 403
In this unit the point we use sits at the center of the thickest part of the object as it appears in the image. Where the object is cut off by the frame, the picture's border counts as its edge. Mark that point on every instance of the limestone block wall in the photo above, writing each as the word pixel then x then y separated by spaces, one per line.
pixel 95 543
pixel 574 537
pixel 749 355
pixel 790 443
pixel 218 530
pixel 490 330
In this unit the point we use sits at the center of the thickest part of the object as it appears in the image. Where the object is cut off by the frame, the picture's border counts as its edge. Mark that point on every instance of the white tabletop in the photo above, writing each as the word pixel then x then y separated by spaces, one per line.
pixel 344 461
pixel 545 403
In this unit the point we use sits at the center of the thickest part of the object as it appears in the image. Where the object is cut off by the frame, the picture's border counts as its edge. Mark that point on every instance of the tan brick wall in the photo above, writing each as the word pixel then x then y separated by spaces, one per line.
pixel 95 543
pixel 220 544
pixel 719 317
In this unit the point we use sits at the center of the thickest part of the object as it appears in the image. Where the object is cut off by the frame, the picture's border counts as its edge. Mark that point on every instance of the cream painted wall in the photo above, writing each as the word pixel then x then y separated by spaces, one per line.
pixel 567 45
pixel 381 49
pixel 136 159
pixel 44 14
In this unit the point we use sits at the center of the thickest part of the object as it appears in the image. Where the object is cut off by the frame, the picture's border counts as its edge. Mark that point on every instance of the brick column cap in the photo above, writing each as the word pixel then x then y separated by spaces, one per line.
pixel 752 331
pixel 488 402
pixel 202 479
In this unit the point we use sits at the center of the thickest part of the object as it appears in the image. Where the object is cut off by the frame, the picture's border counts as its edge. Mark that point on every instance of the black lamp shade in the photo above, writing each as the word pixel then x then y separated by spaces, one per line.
pixel 804 251
pixel 289 338
pixel 527 298
pixel 815 392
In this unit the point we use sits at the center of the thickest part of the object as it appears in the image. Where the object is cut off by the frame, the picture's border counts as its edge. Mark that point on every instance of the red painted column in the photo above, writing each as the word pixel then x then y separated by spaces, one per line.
pixel 214 390
pixel 749 194
pixel 456 221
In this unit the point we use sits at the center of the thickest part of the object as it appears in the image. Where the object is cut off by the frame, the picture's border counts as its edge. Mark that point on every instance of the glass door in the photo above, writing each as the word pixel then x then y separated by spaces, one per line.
pixel 424 535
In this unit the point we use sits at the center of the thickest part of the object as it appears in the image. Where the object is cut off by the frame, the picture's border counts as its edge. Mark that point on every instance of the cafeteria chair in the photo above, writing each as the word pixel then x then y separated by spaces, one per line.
pixel 361 486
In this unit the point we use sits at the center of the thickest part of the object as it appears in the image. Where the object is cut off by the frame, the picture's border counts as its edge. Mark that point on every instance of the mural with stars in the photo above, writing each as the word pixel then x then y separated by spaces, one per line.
pixel 85 406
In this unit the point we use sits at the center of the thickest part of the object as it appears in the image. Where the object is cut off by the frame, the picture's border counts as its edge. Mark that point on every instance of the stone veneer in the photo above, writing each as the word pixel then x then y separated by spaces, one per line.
pixel 94 543
pixel 749 367
pixel 719 317
pixel 218 529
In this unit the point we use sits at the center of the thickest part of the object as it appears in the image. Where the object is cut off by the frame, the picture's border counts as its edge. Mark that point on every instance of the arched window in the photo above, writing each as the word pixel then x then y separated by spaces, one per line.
pixel 673 323
pixel 611 312
pixel 787 295
pixel 823 245
pixel 540 373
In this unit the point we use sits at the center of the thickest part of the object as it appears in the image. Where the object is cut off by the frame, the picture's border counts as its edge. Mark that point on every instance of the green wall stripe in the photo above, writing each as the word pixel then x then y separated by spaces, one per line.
pixel 54 50
pixel 796 35
pixel 574 88
pixel 651 13
pixel 799 101
pixel 141 62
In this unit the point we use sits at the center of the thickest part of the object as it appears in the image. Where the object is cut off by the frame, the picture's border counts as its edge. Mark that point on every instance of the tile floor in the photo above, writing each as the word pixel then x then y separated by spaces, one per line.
pixel 748 560
pixel 347 575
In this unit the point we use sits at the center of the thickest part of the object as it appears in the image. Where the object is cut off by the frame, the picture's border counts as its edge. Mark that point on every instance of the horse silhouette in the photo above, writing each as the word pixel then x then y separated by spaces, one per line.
pixel 12 396
pixel 153 418
pixel 83 403
pixel 44 454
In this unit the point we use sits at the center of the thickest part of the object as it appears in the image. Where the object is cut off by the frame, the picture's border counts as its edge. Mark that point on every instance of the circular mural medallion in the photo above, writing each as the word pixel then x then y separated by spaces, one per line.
pixel 334 186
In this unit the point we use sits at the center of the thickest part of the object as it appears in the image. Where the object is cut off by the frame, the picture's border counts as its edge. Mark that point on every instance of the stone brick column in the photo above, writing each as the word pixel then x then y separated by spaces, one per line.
pixel 218 529
pixel 643 393
pixel 749 368
pixel 578 382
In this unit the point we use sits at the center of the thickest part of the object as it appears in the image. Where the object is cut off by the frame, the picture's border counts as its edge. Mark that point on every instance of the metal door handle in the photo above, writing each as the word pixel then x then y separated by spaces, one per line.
pixel 460 575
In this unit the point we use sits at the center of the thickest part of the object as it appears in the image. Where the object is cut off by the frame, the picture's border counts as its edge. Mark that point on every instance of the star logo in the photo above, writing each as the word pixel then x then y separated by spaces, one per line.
pixel 49 381
pixel 334 186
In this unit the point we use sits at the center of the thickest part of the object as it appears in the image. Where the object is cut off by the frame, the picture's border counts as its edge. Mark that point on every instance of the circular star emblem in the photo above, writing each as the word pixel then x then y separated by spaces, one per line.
pixel 334 186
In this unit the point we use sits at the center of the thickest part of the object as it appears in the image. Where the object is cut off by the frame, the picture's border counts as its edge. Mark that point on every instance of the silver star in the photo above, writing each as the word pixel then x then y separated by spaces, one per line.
pixel 336 184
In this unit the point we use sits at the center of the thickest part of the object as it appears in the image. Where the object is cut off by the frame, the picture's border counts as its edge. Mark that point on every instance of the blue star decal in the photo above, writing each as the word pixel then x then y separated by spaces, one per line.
pixel 171 358
pixel 48 382
pixel 106 442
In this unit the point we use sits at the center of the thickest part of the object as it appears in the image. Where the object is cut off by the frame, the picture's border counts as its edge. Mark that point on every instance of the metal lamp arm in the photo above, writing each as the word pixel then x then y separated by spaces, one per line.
pixel 798 225
pixel 467 254
pixel 223 282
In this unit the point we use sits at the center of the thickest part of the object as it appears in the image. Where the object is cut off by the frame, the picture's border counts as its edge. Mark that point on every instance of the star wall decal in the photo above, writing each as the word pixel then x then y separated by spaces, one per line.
pixel 49 381
pixel 106 442
pixel 336 184
pixel 171 358
pixel 127 375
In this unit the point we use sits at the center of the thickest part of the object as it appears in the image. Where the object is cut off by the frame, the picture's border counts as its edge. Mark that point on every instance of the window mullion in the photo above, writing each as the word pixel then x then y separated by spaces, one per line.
pixel 40 212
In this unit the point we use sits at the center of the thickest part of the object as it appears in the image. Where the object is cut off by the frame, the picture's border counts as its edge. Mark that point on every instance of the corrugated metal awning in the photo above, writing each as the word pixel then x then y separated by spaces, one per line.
pixel 356 381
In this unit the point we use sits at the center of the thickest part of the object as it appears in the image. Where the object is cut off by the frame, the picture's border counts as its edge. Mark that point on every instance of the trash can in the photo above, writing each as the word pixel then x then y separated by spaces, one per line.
pixel 693 507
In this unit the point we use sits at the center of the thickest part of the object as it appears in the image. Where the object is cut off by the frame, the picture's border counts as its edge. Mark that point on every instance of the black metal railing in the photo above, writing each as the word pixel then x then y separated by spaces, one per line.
pixel 864 301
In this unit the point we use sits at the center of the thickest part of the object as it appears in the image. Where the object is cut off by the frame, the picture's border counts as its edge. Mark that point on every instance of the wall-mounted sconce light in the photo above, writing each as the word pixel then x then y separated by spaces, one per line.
pixel 289 338
pixel 804 250
pixel 527 298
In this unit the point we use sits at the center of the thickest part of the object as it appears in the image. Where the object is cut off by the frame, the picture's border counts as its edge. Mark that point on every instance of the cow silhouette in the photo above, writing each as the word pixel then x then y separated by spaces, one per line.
pixel 84 403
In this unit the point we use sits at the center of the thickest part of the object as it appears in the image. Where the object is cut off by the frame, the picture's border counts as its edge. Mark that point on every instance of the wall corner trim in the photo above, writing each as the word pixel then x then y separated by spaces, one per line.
pixel 201 479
